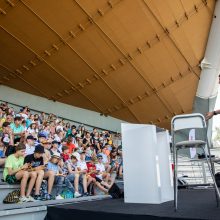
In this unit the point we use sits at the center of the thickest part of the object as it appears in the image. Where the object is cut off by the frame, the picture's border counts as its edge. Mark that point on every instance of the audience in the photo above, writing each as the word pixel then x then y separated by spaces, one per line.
pixel 35 148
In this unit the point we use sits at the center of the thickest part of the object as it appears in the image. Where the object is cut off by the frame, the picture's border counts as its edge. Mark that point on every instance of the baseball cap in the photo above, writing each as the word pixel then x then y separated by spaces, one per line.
pixel 42 134
pixel 75 154
pixel 57 155
pixel 55 142
pixel 30 137
pixel 39 149
pixel 88 158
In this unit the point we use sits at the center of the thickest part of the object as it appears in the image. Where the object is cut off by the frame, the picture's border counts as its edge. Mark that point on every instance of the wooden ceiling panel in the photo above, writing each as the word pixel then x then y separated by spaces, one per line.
pixel 101 95
pixel 12 53
pixel 62 16
pixel 183 91
pixel 130 31
pixel 149 109
pixel 75 69
pixel 23 86
pixel 133 60
pixel 46 79
pixel 79 100
pixel 126 82
pixel 101 54
pixel 126 115
pixel 26 27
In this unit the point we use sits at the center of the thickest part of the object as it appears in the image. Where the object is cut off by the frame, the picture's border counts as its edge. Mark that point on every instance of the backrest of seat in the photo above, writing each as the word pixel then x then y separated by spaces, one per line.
pixel 187 121
pixel 188 127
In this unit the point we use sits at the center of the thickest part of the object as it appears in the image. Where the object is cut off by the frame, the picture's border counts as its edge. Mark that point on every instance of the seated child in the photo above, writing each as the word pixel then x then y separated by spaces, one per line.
pixel 52 169
pixel 65 155
pixel 36 163
pixel 15 170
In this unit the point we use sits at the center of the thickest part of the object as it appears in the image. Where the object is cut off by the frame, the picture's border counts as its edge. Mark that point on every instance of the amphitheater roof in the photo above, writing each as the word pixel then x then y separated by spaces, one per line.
pixel 136 60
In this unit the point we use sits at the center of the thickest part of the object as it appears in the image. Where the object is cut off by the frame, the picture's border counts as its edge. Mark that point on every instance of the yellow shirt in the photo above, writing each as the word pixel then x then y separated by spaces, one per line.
pixel 1 122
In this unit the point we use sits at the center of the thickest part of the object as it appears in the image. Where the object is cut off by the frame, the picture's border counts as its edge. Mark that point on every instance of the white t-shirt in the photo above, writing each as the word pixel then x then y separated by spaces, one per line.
pixel 24 116
pixel 101 168
pixel 104 158
pixel 32 131
pixel 82 165
pixel 59 127
pixel 57 138
pixel 29 149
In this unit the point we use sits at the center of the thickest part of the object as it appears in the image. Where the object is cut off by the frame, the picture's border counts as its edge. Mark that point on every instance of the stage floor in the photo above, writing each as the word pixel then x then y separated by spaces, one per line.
pixel 193 204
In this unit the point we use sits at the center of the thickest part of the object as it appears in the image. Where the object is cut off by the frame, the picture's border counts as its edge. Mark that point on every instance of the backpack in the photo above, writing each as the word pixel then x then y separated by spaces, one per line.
pixel 217 179
pixel 43 190
pixel 67 194
pixel 116 192
pixel 12 197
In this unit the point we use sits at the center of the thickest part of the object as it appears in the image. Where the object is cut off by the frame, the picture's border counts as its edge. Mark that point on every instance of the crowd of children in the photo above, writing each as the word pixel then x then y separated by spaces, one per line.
pixel 41 148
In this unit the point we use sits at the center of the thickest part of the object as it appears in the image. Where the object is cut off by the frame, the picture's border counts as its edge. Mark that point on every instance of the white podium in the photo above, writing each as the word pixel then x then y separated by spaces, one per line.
pixel 146 164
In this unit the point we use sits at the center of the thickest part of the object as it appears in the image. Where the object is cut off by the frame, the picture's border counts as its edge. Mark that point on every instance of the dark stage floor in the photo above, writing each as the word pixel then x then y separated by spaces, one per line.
pixel 193 204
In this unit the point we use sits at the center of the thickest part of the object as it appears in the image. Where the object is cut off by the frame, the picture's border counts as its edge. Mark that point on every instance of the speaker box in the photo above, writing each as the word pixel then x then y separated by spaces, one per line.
pixel 117 191
pixel 217 179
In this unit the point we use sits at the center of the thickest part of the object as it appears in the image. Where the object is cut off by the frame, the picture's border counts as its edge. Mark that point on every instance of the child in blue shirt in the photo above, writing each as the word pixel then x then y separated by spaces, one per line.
pixel 53 176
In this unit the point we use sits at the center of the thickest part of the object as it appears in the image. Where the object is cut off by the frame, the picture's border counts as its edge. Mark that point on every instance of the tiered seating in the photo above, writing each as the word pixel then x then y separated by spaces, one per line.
pixel 36 210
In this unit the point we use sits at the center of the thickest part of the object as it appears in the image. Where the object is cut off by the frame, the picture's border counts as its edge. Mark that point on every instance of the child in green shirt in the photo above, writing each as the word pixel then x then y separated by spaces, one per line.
pixel 15 170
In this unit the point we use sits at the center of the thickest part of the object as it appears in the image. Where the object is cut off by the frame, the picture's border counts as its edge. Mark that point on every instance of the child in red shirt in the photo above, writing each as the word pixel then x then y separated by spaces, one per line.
pixel 91 177
pixel 70 144
pixel 65 155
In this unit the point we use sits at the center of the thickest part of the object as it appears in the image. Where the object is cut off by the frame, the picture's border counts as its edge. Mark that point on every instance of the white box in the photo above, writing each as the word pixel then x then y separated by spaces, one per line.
pixel 146 165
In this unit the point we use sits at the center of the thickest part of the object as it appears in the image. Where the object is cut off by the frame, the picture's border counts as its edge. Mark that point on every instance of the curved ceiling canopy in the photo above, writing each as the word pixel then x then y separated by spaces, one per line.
pixel 137 60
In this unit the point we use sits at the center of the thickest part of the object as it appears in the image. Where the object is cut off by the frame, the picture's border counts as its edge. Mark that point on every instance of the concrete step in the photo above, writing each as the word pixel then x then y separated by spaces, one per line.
pixel 34 213
pixel 6 188
pixel 52 202
pixel 38 210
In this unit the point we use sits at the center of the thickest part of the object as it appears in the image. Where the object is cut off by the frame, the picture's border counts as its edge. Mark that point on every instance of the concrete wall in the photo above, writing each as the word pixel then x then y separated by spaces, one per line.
pixel 62 110
pixel 34 213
